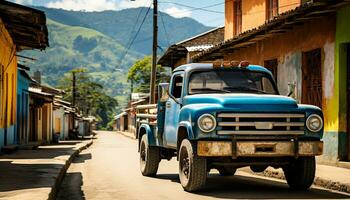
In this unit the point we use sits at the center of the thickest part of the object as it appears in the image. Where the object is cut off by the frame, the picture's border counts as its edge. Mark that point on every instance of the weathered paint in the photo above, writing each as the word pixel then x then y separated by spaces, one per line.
pixel 8 75
pixel 340 94
pixel 22 125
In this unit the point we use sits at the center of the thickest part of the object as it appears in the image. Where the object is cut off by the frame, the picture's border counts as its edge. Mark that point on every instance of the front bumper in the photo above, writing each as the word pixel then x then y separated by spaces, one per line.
pixel 259 148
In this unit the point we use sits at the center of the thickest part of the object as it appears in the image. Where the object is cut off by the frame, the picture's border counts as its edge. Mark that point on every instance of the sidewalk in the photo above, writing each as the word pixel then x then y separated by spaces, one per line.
pixel 330 177
pixel 36 174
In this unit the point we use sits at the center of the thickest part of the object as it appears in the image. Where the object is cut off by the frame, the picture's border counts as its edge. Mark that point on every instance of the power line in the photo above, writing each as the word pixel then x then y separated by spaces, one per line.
pixel 134 38
pixel 165 31
pixel 197 8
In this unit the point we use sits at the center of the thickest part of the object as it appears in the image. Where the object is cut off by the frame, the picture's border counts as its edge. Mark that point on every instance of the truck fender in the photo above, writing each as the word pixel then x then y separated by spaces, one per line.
pixel 146 129
pixel 187 125
pixel 180 135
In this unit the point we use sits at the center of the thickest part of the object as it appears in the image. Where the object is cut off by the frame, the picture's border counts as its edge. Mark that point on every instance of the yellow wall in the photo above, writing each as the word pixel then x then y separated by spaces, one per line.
pixel 229 20
pixel 8 78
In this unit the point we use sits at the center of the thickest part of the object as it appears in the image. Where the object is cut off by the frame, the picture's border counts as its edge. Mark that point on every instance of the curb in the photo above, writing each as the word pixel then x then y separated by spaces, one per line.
pixel 127 135
pixel 321 182
pixel 63 171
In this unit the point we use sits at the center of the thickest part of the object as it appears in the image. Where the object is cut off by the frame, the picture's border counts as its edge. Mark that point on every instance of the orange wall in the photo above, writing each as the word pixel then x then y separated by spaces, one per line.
pixel 286 5
pixel 254 14
pixel 229 19
pixel 8 78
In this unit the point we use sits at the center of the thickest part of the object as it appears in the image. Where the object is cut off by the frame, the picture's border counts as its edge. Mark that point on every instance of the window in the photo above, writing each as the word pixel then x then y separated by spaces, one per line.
pixel 238 16
pixel 177 86
pixel 272 66
pixel 271 9
pixel 231 81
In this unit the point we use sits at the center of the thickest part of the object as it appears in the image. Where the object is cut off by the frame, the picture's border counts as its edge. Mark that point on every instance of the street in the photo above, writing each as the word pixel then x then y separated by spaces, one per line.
pixel 109 169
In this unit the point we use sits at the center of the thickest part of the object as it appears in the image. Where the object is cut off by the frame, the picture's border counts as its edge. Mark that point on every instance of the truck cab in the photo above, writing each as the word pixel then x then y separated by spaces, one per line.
pixel 227 115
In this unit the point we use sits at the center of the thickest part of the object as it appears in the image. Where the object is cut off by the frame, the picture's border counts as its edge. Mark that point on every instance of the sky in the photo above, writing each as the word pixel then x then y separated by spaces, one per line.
pixel 210 14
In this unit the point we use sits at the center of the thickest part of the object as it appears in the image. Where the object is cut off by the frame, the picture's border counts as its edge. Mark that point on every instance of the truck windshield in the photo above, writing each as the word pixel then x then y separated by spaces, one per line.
pixel 229 81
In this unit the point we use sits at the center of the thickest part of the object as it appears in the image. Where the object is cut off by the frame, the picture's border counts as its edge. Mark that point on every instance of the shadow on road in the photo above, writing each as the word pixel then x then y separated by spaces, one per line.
pixel 242 187
pixel 72 185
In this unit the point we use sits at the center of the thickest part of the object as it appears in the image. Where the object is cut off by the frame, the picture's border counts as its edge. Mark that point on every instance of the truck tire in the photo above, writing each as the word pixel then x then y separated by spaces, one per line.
pixel 192 169
pixel 300 173
pixel 149 158
pixel 226 170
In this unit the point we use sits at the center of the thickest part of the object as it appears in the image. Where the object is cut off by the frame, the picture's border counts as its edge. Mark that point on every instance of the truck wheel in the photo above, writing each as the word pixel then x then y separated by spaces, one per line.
pixel 226 170
pixel 149 158
pixel 192 169
pixel 300 173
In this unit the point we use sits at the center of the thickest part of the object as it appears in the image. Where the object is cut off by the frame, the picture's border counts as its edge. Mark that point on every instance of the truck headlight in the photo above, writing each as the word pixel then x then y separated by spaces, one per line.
pixel 314 123
pixel 207 123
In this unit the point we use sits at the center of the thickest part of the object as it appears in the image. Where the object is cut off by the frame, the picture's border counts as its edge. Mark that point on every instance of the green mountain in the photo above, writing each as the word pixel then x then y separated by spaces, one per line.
pixel 97 41
pixel 77 47
pixel 119 25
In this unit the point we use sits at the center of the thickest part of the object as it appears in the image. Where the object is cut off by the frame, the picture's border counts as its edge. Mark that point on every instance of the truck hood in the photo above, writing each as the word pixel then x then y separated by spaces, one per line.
pixel 232 100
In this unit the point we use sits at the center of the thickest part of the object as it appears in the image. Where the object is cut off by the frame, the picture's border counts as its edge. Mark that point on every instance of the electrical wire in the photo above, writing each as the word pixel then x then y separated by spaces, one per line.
pixel 134 38
pixel 165 31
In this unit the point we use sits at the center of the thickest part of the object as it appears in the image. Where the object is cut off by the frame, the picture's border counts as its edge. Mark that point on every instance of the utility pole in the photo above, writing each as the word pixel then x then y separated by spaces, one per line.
pixel 73 89
pixel 152 98
pixel 73 101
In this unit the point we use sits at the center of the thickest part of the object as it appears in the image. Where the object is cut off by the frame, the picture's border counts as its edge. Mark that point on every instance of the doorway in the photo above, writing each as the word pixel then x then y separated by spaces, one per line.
pixel 272 66
pixel 312 78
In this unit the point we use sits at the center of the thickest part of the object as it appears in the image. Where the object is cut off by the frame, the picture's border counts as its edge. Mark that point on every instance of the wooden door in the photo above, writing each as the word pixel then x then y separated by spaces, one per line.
pixel 312 78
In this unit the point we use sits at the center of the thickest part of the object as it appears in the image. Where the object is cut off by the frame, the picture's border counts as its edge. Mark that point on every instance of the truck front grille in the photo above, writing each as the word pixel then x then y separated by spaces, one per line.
pixel 260 123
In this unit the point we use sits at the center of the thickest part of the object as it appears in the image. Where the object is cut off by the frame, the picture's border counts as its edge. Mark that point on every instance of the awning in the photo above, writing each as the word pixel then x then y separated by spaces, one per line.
pixel 27 26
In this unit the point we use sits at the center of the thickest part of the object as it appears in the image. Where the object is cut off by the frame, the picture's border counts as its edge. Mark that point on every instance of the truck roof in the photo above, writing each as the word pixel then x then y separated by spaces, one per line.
pixel 204 66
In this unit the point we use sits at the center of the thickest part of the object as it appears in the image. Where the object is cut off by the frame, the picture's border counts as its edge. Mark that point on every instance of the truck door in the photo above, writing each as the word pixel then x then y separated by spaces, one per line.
pixel 172 110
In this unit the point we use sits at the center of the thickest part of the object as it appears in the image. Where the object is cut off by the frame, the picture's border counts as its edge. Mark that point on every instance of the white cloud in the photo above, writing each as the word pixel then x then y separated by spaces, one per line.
pixel 86 5
pixel 178 12
pixel 24 2
pixel 134 4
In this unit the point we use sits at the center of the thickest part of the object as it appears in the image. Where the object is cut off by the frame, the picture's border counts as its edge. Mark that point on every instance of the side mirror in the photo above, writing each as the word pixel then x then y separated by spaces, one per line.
pixel 163 91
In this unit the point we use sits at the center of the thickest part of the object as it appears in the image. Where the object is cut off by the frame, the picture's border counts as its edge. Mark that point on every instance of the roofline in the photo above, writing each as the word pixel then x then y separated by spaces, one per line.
pixel 269 25
pixel 199 35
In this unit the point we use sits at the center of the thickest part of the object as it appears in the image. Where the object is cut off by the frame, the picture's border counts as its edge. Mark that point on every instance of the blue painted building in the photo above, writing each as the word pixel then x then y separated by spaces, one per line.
pixel 22 123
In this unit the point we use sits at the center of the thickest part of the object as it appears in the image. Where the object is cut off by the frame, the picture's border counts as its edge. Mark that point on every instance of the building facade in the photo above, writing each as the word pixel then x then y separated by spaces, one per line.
pixel 306 46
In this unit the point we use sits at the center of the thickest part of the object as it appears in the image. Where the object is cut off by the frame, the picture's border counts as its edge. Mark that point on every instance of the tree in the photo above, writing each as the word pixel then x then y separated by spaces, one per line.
pixel 140 72
pixel 90 96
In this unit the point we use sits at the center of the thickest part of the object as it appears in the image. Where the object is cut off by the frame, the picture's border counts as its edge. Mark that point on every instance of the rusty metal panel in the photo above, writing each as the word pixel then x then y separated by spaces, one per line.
pixel 310 148
pixel 264 149
pixel 214 148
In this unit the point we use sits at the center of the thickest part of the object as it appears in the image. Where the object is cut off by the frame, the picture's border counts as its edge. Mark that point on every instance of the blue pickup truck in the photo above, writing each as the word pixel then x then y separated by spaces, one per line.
pixel 227 115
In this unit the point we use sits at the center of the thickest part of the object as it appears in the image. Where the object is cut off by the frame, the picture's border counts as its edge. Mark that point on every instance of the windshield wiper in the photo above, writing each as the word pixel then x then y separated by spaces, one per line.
pixel 211 90
pixel 245 89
